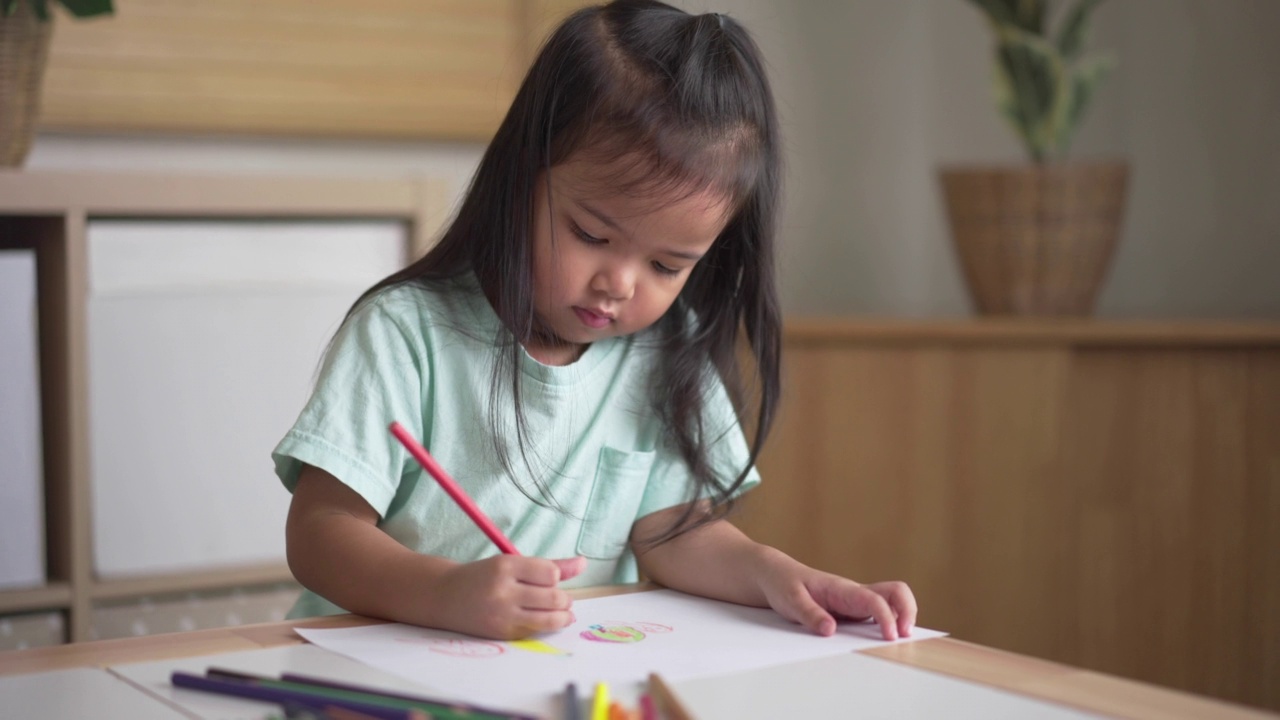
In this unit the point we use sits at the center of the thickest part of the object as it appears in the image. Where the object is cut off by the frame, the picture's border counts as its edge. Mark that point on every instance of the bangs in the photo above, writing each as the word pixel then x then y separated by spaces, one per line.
pixel 672 167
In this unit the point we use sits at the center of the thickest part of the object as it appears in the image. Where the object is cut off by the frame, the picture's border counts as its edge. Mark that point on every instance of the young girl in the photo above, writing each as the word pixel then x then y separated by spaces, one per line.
pixel 569 351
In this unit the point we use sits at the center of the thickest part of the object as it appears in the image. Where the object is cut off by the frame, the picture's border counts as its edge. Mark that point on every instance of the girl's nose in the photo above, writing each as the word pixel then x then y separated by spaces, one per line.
pixel 616 282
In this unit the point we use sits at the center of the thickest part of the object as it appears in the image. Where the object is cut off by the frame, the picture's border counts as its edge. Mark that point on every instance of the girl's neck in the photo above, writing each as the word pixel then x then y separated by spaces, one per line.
pixel 551 350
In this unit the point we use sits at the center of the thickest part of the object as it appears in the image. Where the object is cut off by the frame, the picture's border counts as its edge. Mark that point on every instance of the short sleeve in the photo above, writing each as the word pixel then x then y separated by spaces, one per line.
pixel 671 483
pixel 374 373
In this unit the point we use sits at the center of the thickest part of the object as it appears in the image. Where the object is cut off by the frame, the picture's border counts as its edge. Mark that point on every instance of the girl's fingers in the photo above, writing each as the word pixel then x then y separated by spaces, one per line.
pixel 862 601
pixel 902 601
pixel 532 622
pixel 571 567
pixel 544 598
pixel 799 606
pixel 548 573
pixel 537 571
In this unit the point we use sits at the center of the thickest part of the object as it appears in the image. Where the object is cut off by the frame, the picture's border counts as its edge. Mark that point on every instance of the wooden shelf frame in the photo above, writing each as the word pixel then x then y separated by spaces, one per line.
pixel 51 212
pixel 51 596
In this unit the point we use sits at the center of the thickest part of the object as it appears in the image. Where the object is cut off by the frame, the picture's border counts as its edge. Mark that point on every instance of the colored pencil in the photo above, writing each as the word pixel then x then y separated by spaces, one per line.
pixel 463 709
pixel 646 708
pixel 282 696
pixel 666 699
pixel 442 709
pixel 600 706
pixel 572 708
pixel 455 491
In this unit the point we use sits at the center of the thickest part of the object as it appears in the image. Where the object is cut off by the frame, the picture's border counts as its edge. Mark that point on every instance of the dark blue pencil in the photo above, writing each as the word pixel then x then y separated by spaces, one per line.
pixel 572 709
pixel 440 709
pixel 281 696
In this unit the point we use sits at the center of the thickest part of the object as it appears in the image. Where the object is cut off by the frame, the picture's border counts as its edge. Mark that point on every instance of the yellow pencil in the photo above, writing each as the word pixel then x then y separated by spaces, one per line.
pixel 600 706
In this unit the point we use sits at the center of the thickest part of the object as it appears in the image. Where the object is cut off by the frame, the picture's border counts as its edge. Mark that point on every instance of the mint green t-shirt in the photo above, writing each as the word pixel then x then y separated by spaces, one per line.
pixel 424 357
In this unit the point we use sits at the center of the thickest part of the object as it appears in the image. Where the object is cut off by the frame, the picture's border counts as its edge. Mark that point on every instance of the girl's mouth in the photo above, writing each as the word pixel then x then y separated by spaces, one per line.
pixel 591 318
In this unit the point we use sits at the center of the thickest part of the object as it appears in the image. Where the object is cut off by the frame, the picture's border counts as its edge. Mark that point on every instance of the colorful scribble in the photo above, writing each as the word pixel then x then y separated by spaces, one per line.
pixel 622 632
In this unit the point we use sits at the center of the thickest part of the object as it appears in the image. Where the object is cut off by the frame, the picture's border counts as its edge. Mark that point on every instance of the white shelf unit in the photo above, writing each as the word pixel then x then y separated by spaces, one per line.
pixel 52 213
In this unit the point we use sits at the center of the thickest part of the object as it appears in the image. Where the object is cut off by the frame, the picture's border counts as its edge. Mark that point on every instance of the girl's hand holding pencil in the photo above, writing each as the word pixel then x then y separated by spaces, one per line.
pixel 506 597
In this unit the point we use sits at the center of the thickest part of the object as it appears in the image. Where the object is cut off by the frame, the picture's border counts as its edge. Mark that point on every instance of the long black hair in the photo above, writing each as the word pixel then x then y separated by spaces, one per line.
pixel 686 99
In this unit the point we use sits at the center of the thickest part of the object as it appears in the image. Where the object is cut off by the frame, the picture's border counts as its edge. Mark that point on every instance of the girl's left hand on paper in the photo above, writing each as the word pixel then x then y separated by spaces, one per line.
pixel 816 599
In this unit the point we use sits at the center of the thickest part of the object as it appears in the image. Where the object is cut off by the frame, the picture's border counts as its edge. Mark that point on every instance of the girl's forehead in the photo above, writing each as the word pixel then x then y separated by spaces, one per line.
pixel 631 182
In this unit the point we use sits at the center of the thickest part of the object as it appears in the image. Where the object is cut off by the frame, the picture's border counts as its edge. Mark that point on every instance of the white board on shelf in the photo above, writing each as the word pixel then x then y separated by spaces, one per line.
pixel 204 339
pixel 22 561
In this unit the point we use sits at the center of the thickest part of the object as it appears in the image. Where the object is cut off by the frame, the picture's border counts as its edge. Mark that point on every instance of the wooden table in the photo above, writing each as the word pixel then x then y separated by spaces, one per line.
pixel 1083 689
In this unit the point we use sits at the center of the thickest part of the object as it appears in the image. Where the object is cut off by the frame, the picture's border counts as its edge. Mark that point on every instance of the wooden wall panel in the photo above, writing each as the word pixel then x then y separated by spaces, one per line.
pixel 1170 460
pixel 1111 506
pixel 379 68
pixel 1262 585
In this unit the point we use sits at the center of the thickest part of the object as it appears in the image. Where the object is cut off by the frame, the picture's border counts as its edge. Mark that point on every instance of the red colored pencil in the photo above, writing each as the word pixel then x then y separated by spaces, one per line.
pixel 459 496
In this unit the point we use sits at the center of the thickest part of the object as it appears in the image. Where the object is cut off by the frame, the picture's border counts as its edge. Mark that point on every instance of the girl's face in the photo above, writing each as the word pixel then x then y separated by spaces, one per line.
pixel 608 264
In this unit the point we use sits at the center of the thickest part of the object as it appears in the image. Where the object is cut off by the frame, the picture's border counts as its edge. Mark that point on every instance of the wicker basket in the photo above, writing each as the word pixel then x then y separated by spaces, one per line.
pixel 1036 240
pixel 24 48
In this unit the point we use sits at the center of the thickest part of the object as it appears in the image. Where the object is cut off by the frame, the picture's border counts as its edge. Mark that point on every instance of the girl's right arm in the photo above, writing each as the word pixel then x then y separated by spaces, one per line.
pixel 336 549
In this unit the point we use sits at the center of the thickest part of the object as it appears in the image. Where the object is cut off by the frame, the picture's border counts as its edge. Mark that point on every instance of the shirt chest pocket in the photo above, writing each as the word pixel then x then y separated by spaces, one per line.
pixel 615 498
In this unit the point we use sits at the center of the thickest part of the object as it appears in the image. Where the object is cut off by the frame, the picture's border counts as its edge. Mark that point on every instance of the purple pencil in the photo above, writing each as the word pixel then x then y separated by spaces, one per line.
pixel 281 696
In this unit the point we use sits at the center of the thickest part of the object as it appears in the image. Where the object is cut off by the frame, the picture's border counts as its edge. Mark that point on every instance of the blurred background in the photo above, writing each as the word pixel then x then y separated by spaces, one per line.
pixel 1098 490
pixel 874 96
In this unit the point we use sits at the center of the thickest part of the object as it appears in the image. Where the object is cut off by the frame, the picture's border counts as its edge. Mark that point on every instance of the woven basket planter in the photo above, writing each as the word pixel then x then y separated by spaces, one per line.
pixel 1036 240
pixel 24 48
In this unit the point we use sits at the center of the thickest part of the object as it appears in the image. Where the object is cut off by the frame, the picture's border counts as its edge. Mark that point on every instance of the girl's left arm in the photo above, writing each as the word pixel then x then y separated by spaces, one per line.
pixel 719 561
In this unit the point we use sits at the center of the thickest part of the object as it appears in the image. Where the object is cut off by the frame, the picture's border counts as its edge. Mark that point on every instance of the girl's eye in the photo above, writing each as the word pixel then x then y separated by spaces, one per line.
pixel 663 269
pixel 588 239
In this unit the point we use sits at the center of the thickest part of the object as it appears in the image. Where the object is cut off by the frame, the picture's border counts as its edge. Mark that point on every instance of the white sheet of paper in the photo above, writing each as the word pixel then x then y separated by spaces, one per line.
pixel 857 685
pixel 618 640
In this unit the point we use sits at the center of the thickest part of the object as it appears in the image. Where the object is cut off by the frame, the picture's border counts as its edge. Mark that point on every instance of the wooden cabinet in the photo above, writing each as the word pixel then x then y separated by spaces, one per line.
pixel 442 69
pixel 1105 494
pixel 56 214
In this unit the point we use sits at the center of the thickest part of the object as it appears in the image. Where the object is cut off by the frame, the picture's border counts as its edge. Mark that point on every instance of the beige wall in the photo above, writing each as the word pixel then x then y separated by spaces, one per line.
pixel 875 94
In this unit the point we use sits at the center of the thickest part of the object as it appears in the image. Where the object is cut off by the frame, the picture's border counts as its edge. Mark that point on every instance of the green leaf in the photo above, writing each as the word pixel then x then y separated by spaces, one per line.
pixel 41 7
pixel 1088 75
pixel 8 6
pixel 1030 15
pixel 1025 15
pixel 1007 104
pixel 999 12
pixel 1075 29
pixel 87 8
pixel 1034 74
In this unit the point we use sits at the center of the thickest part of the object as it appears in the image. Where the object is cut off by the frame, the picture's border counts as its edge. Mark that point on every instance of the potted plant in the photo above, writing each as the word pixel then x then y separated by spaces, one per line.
pixel 25 27
pixel 1038 239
